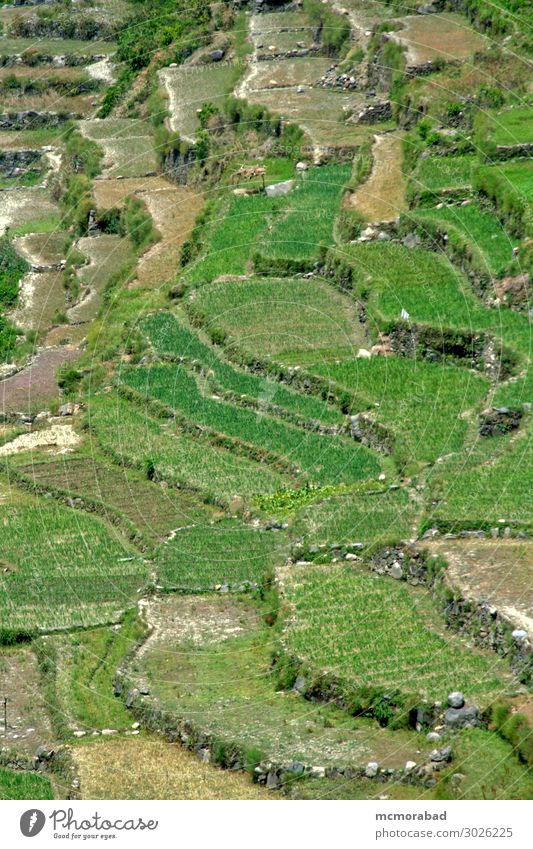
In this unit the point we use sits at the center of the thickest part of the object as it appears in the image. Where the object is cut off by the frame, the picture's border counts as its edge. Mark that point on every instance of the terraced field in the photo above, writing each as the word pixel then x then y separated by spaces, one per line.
pixel 304 320
pixel 266 388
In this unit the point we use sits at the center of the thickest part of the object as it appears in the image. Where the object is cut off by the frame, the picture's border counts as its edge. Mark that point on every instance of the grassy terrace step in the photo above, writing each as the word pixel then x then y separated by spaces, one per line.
pixel 430 289
pixel 425 404
pixel 306 220
pixel 24 785
pixel 308 321
pixel 510 126
pixel 190 87
pixel 216 672
pixel 63 569
pixel 488 482
pixel 170 336
pixel 127 142
pixel 322 458
pixel 285 229
pixel 369 519
pixel 509 186
pixel 132 438
pixel 488 764
pixel 224 553
pixel 473 228
pixel 54 47
pixel 436 174
pixel 381 636
pixel 149 509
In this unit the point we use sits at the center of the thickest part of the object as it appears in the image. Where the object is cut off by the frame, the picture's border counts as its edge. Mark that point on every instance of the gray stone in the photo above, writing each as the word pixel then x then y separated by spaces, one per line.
pixel 300 684
pixel 519 634
pixel 295 767
pixel 279 189
pixel 433 737
pixel 462 717
pixel 216 55
pixel 456 699
pixel 441 755
pixel 396 571
pixel 130 698
pixel 273 780
pixel 412 240
pixel 372 769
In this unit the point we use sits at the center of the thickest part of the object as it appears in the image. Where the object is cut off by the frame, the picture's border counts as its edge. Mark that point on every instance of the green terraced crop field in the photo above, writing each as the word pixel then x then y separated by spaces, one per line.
pixel 266 405
pixel 378 629
pixel 330 459
pixel 304 319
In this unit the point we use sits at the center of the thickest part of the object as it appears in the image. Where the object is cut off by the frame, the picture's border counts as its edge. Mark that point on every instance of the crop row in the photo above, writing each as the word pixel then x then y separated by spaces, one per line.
pixel 132 438
pixel 325 459
pixel 370 631
pixel 170 336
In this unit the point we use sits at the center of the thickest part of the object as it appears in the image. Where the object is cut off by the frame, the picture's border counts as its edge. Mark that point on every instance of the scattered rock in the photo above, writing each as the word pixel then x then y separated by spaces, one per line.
pixel 462 717
pixel 456 700
pixel 441 755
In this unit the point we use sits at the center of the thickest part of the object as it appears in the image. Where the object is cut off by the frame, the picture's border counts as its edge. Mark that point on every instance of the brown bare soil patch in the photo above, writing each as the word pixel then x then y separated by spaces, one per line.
pixel 173 209
pixel 430 37
pixel 41 248
pixel 28 723
pixel 41 296
pixel 382 196
pixel 32 388
pixel 106 255
pixel 498 571
pixel 149 768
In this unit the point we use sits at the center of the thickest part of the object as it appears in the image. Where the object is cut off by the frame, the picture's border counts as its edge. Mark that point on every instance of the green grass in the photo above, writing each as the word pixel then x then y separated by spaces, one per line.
pixel 149 510
pixel 475 227
pixel 232 237
pixel 170 336
pixel 24 785
pixel 487 482
pixel 299 223
pixel 132 438
pixel 373 632
pixel 430 289
pixel 370 519
pixel 422 403
pixel 435 174
pixel 226 552
pixel 87 662
pixel 323 458
pixel 511 126
pixel 307 218
pixel 54 47
pixel 38 225
pixel 63 568
pixel 308 321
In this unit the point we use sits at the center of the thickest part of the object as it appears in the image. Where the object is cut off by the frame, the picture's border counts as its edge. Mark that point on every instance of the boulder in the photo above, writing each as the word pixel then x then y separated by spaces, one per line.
pixel 441 755
pixel 396 571
pixel 372 769
pixel 462 717
pixel 456 700
pixel 279 189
